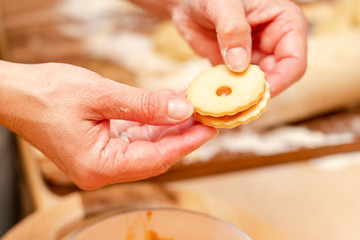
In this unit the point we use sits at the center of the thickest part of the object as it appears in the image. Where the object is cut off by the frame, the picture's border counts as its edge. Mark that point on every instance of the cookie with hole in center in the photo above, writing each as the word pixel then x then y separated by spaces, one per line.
pixel 222 98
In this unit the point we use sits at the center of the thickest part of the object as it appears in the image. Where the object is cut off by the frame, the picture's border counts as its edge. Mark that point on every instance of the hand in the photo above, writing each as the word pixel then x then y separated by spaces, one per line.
pixel 97 131
pixel 268 33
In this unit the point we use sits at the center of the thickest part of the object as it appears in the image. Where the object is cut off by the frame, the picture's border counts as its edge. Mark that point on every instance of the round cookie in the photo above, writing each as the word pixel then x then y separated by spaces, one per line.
pixel 240 118
pixel 219 91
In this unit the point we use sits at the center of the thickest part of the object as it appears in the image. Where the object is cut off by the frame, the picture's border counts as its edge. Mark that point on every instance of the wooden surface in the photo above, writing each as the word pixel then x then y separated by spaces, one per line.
pixel 334 123
pixel 271 202
pixel 314 199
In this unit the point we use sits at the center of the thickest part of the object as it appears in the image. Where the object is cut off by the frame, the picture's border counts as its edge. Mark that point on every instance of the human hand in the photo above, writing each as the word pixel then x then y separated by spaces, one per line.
pixel 270 34
pixel 97 131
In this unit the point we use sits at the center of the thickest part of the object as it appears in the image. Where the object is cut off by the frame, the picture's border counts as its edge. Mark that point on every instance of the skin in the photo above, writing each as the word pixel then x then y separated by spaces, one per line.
pixel 101 132
pixel 268 33
pixel 97 131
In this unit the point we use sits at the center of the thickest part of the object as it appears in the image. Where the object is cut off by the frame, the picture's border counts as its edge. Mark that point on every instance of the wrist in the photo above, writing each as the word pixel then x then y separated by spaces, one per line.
pixel 17 96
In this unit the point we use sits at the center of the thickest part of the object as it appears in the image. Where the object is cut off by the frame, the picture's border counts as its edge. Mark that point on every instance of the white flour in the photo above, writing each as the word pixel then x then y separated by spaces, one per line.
pixel 96 24
pixel 279 140
pixel 90 11
pixel 336 162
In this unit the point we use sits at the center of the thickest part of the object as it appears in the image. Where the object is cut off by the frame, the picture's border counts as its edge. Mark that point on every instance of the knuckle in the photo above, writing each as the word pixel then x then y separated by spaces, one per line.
pixel 150 105
pixel 296 16
pixel 232 27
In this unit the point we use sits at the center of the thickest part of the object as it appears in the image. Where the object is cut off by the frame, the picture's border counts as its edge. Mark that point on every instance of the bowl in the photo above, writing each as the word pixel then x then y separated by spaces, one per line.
pixel 159 224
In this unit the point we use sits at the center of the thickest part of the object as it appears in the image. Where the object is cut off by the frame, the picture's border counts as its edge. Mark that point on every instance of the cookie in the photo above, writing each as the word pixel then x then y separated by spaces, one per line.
pixel 231 121
pixel 225 99
pixel 219 91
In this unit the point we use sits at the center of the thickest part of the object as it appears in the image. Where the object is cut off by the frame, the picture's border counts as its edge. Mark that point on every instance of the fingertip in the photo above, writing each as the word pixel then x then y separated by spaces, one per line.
pixel 277 84
pixel 284 74
pixel 179 109
pixel 237 59
pixel 234 37
pixel 206 132
pixel 212 131
pixel 274 90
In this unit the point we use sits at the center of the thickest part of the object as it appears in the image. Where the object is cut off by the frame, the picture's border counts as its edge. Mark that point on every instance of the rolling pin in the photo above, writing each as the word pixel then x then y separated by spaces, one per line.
pixel 331 82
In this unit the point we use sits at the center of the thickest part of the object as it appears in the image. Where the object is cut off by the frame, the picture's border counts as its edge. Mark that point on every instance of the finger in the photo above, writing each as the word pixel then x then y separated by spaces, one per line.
pixel 279 41
pixel 285 73
pixel 119 161
pixel 165 152
pixel 290 61
pixel 267 63
pixel 257 56
pixel 202 39
pixel 154 133
pixel 118 101
pixel 117 126
pixel 233 32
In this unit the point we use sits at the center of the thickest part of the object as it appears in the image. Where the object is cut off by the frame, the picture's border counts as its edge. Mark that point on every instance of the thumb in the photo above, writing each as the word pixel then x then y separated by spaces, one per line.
pixel 234 34
pixel 144 106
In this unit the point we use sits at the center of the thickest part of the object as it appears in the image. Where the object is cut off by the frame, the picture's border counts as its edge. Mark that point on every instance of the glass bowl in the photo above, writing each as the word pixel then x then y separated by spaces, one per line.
pixel 159 224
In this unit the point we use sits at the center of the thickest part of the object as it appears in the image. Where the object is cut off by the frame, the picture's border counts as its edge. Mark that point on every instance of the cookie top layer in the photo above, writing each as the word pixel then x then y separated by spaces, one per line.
pixel 219 91
pixel 240 118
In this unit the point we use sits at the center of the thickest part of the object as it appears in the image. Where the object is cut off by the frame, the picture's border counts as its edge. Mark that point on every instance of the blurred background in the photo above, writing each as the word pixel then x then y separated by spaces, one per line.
pixel 294 173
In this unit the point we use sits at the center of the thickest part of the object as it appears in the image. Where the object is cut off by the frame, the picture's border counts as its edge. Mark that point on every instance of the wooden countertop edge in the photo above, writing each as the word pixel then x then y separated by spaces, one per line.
pixel 241 162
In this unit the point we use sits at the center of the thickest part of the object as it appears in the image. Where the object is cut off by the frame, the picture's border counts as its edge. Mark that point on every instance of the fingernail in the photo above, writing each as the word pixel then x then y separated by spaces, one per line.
pixel 179 109
pixel 236 59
